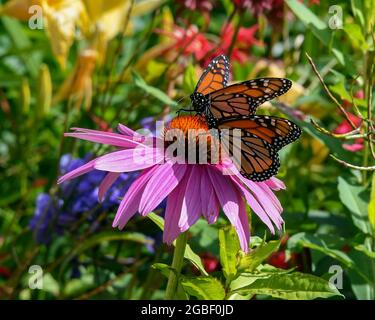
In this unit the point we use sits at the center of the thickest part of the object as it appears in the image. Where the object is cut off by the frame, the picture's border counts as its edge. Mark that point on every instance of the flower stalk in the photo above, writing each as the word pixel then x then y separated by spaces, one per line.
pixel 178 257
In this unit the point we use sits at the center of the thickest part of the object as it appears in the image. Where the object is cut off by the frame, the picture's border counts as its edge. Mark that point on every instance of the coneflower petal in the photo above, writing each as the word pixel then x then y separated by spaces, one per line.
pixel 129 160
pixel 173 210
pixel 166 177
pixel 112 139
pixel 229 199
pixel 130 203
pixel 210 204
pixel 255 206
pixel 106 183
pixel 89 166
pixel 191 205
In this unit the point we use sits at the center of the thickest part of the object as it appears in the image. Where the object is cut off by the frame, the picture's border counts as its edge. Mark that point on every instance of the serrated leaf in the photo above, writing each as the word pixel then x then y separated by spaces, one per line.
pixel 291 286
pixel 204 288
pixel 155 92
pixel 229 247
pixel 252 260
pixel 189 253
pixel 354 198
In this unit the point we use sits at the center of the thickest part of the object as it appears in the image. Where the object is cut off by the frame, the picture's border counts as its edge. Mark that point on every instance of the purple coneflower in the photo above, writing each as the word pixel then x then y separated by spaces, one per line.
pixel 191 190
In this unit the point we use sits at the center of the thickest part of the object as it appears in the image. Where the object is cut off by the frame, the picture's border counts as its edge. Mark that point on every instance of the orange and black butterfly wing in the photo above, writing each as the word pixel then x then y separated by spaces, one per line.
pixel 243 98
pixel 260 139
pixel 215 77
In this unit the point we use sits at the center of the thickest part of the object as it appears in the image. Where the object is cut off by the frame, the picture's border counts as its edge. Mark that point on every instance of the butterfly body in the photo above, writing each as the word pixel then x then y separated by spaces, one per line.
pixel 227 108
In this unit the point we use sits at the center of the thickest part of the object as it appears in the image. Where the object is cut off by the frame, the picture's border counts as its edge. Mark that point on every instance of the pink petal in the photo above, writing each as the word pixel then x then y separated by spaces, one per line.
pixel 210 204
pixel 125 130
pixel 106 183
pixel 255 206
pixel 271 196
pixel 275 184
pixel 109 138
pixel 130 203
pixel 353 147
pixel 89 166
pixel 266 202
pixel 173 210
pixel 165 179
pixel 229 198
pixel 191 205
pixel 128 160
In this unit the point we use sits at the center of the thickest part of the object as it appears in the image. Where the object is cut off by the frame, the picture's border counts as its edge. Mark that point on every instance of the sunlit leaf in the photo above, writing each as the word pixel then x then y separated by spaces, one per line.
pixel 291 286
pixel 204 288
pixel 252 260
pixel 229 247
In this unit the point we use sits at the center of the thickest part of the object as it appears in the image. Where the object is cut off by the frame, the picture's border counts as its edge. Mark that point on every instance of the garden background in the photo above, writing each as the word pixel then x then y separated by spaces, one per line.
pixel 94 64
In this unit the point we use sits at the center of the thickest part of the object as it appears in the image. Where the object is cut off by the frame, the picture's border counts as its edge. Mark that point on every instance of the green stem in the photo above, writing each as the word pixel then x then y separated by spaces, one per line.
pixel 178 257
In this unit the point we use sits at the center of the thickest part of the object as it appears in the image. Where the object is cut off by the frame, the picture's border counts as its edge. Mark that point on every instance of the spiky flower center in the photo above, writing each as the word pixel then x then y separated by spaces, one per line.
pixel 193 137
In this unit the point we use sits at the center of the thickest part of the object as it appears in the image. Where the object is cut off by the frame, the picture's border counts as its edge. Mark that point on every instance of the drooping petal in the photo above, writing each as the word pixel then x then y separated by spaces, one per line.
pixel 230 199
pixel 254 205
pixel 106 183
pixel 173 210
pixel 129 160
pixel 89 166
pixel 266 203
pixel 210 204
pixel 191 205
pixel 165 179
pixel 130 203
pixel 271 196
pixel 275 184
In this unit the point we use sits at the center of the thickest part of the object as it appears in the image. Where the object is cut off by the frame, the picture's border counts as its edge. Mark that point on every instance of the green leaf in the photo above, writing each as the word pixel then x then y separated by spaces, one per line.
pixel 204 288
pixel 163 268
pixel 291 286
pixel 155 92
pixel 189 253
pixel 262 272
pixel 190 79
pixel 358 11
pixel 229 247
pixel 355 35
pixel 371 205
pixel 318 27
pixel 252 260
pixel 354 198
pixel 302 239
pixel 21 41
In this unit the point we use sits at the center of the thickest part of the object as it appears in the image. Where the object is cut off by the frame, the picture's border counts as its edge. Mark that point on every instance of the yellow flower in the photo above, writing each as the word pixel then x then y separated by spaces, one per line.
pixel 79 83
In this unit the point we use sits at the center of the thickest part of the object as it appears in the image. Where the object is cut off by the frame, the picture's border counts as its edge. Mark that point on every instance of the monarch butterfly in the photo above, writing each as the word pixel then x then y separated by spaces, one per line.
pixel 233 107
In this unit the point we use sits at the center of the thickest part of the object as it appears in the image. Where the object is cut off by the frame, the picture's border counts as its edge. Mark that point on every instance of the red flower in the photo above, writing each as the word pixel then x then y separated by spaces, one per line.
pixel 345 127
pixel 242 44
pixel 190 41
pixel 210 262
pixel 278 260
